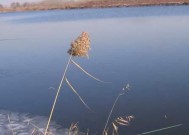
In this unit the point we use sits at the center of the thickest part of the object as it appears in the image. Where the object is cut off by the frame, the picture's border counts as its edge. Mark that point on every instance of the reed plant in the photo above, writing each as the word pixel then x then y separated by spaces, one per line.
pixel 80 48
pixel 119 121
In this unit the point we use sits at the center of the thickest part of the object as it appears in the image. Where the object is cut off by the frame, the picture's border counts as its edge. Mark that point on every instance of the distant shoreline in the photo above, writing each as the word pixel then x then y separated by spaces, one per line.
pixel 90 4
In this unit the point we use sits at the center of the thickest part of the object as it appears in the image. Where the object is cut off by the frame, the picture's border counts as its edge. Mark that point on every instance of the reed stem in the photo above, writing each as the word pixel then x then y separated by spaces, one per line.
pixel 108 119
pixel 56 97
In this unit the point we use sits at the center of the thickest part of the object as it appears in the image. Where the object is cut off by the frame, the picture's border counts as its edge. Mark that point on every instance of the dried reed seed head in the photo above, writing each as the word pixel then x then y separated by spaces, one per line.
pixel 80 46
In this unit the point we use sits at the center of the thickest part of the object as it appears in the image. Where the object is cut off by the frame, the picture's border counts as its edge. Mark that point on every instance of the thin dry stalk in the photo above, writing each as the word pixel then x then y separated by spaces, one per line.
pixel 73 130
pixel 115 127
pixel 34 131
pixel 77 94
pixel 161 129
pixel 87 72
pixel 111 111
pixel 36 128
pixel 120 121
pixel 57 94
pixel 124 121
pixel 105 133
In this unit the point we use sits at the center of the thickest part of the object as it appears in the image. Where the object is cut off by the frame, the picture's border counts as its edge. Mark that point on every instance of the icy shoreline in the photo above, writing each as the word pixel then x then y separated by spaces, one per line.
pixel 25 124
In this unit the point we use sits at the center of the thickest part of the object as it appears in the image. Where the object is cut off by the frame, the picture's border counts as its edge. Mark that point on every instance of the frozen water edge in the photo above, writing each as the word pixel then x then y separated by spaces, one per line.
pixel 24 124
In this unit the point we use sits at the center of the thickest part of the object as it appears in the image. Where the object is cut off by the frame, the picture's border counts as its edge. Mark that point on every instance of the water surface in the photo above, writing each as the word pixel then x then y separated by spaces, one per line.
pixel 146 47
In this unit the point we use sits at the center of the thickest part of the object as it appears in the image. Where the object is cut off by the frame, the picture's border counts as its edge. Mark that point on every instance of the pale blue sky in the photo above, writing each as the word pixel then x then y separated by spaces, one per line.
pixel 7 2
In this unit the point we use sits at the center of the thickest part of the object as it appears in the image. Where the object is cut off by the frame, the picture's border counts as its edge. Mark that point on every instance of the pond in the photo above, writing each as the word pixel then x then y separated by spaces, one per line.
pixel 145 47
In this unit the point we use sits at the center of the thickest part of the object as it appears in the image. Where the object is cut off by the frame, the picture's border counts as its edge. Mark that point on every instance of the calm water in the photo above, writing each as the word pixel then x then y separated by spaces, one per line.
pixel 147 47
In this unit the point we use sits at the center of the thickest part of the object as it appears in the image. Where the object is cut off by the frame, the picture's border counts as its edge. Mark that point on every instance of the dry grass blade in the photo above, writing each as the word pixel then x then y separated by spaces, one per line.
pixel 38 129
pixel 115 127
pixel 124 121
pixel 34 131
pixel 105 133
pixel 161 129
pixel 87 131
pixel 120 121
pixel 87 72
pixel 111 111
pixel 73 130
pixel 130 117
pixel 77 94
pixel 122 92
pixel 10 125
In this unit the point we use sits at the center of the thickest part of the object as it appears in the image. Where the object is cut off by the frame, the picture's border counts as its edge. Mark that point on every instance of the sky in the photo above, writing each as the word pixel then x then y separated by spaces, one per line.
pixel 7 2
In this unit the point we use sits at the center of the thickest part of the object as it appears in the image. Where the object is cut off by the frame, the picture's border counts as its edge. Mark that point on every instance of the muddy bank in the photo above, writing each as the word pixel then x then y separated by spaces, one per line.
pixel 91 4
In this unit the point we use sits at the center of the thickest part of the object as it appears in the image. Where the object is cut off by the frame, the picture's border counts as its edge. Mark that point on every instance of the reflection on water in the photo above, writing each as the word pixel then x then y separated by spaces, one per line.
pixel 146 47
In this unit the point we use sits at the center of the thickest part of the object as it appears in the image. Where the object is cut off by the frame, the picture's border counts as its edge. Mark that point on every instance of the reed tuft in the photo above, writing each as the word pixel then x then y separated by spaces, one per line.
pixel 80 46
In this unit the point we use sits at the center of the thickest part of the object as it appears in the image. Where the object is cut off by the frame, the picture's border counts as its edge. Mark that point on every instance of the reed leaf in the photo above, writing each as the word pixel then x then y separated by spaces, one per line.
pixel 73 130
pixel 69 84
pixel 87 72
pixel 124 121
pixel 105 133
pixel 115 127
pixel 38 129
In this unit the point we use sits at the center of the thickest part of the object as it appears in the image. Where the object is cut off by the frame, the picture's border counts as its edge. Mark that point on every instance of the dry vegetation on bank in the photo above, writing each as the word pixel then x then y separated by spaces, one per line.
pixel 59 4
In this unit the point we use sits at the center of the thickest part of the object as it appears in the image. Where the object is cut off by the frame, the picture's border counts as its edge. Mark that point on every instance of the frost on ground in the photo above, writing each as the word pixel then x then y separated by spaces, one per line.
pixel 25 124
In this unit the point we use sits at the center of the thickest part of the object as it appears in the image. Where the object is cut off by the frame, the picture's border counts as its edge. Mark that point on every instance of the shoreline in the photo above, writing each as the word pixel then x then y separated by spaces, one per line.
pixel 88 5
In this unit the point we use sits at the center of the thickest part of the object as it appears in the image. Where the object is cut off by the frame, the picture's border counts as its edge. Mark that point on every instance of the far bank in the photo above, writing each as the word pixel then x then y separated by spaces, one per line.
pixel 16 7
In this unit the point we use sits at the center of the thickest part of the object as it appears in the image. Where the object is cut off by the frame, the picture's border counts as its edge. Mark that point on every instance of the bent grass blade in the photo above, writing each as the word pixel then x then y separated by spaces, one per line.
pixel 161 129
pixel 87 72
pixel 77 94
